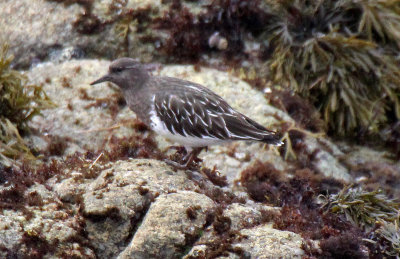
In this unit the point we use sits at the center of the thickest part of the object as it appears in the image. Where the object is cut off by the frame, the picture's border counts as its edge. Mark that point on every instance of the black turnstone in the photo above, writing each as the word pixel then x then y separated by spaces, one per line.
pixel 185 112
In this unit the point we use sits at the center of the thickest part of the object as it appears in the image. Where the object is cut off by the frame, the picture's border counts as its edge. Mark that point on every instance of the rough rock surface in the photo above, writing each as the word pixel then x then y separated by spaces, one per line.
pixel 120 196
pixel 11 231
pixel 41 30
pixel 167 230
pixel 128 185
pixel 34 28
pixel 83 113
pixel 266 242
pixel 242 216
pixel 45 226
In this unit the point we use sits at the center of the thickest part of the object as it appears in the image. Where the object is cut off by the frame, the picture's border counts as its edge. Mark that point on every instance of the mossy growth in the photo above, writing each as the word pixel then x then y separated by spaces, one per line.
pixel 390 235
pixel 12 145
pixel 339 55
pixel 373 212
pixel 380 20
pixel 19 103
pixel 362 208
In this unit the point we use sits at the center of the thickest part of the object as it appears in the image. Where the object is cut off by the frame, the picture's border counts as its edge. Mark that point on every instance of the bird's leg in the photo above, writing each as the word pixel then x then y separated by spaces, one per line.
pixel 191 156
pixel 187 160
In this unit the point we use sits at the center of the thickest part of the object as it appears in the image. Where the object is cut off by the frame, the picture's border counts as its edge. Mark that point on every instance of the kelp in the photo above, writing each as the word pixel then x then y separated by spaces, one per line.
pixel 334 54
pixel 19 103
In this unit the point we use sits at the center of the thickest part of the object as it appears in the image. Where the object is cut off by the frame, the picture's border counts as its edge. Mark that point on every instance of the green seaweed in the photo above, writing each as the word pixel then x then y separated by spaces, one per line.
pixel 11 144
pixel 19 103
pixel 380 19
pixel 326 51
pixel 362 208
pixel 373 212
pixel 390 233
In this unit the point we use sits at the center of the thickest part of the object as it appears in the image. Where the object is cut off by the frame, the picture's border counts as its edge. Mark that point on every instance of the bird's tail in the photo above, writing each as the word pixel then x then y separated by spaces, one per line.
pixel 251 130
pixel 268 136
pixel 272 139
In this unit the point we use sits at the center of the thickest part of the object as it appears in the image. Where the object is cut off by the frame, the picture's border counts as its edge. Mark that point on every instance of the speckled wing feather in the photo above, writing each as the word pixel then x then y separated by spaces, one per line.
pixel 195 111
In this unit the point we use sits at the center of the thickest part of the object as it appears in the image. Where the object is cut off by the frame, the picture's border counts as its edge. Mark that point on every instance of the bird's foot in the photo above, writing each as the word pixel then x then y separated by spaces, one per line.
pixel 177 165
pixel 188 161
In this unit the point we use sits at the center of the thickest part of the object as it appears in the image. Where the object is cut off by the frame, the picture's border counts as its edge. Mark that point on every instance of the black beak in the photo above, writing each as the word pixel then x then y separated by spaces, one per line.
pixel 105 78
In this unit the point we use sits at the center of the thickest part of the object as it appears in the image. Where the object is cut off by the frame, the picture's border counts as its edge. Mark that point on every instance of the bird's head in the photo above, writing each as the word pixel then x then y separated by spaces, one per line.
pixel 126 73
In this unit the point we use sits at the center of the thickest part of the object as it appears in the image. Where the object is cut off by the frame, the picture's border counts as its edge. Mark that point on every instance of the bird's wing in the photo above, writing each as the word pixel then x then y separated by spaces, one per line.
pixel 203 114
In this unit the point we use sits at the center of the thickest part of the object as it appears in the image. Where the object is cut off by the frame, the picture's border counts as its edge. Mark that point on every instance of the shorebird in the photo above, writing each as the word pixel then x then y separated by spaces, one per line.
pixel 182 111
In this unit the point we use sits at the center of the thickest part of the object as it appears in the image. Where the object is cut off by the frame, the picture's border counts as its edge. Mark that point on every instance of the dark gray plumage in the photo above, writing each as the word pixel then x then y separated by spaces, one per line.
pixel 183 111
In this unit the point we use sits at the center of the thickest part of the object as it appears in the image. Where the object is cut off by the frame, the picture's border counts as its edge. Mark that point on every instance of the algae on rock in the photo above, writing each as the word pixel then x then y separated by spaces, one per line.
pixel 362 208
pixel 19 103
pixel 339 55
pixel 373 212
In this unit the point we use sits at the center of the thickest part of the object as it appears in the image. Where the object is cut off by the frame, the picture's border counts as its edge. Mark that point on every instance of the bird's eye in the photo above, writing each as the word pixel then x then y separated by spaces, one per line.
pixel 117 69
